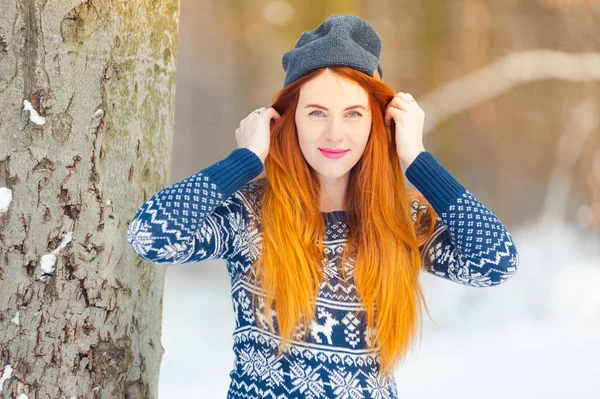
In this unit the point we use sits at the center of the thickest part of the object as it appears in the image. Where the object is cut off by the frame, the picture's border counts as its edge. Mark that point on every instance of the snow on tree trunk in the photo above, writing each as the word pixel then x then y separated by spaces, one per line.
pixel 87 95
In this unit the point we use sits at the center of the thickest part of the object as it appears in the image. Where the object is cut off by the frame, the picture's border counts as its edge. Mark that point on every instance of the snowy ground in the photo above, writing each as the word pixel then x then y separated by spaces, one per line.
pixel 535 336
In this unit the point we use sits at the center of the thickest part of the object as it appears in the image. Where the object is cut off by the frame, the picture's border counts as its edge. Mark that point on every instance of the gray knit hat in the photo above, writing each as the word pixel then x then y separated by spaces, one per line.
pixel 346 40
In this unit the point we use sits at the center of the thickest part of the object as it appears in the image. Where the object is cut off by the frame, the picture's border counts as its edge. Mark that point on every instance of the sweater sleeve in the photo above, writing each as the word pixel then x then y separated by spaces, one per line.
pixel 198 218
pixel 469 244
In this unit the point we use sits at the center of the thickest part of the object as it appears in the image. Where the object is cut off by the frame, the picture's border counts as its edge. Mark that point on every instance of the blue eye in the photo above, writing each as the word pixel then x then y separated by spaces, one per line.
pixel 353 112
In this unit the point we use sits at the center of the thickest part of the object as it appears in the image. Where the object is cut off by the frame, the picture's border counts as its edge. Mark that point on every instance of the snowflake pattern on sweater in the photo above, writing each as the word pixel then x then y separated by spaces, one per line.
pixel 208 216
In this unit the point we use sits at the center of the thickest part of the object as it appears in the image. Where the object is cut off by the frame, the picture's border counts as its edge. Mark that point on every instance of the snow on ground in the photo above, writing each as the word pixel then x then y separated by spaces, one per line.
pixel 535 336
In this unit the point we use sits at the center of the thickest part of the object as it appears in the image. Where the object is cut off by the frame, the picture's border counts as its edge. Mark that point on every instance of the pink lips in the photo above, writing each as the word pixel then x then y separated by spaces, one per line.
pixel 333 154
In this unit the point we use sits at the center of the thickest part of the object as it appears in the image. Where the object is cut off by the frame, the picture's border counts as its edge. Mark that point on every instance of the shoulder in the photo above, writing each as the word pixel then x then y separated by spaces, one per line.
pixel 250 195
pixel 252 189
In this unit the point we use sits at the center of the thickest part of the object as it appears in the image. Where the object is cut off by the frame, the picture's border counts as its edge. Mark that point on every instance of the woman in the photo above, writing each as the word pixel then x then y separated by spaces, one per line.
pixel 324 253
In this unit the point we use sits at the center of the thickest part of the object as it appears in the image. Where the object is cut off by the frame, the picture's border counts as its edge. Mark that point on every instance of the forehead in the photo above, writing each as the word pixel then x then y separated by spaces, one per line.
pixel 330 89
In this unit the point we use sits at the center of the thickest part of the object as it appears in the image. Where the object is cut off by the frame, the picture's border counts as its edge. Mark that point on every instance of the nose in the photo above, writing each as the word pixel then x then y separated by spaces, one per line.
pixel 334 132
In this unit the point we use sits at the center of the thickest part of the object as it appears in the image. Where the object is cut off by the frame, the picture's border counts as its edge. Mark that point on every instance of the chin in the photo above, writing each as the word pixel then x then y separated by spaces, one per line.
pixel 333 176
pixel 333 173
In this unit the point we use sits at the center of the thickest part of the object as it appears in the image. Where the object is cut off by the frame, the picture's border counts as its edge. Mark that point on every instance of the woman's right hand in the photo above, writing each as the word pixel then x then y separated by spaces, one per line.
pixel 254 132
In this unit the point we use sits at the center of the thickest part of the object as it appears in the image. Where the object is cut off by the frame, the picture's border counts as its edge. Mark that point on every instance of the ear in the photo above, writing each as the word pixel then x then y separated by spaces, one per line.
pixel 376 74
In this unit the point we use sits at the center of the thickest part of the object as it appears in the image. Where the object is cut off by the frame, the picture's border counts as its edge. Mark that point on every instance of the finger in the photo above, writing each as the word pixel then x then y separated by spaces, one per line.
pixel 388 113
pixel 400 94
pixel 274 113
pixel 399 103
pixel 393 113
pixel 404 94
pixel 261 109
pixel 271 113
pixel 387 117
pixel 410 100
pixel 406 105
pixel 406 97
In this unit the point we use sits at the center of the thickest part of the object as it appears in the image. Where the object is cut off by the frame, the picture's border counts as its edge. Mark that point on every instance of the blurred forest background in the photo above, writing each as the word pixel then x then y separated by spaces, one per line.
pixel 511 93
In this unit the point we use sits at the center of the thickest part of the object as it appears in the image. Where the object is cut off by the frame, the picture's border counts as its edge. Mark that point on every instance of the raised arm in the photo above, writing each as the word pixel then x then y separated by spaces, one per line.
pixel 469 245
pixel 198 218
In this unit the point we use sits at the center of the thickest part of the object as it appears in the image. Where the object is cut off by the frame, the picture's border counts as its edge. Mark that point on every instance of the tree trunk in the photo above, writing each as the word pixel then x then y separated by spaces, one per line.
pixel 87 96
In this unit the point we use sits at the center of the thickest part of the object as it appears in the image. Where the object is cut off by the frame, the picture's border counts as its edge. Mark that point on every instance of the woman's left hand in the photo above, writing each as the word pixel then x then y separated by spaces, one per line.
pixel 409 119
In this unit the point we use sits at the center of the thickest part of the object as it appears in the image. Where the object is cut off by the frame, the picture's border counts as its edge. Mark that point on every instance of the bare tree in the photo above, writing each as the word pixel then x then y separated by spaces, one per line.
pixel 87 93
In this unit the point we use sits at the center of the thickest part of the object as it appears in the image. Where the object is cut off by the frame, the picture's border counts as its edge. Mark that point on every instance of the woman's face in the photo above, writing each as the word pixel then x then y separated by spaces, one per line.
pixel 332 113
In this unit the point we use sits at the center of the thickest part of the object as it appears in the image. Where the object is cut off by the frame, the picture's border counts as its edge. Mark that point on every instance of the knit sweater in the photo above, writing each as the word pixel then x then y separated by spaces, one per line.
pixel 207 216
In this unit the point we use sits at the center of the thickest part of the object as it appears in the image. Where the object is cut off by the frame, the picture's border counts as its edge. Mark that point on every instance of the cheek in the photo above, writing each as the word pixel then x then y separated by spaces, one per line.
pixel 304 140
pixel 307 137
pixel 306 143
pixel 363 138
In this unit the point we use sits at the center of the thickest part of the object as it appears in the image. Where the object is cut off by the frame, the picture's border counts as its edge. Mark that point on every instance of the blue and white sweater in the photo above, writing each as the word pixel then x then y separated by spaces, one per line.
pixel 207 216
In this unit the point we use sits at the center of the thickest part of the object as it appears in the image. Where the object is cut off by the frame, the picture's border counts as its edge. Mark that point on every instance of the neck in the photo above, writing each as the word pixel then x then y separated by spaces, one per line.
pixel 333 194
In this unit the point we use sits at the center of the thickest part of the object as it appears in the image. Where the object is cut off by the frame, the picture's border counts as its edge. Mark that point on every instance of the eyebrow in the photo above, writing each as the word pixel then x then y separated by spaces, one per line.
pixel 326 109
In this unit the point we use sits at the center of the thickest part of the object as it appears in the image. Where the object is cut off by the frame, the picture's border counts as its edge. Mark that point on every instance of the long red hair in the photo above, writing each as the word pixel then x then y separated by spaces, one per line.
pixel 382 241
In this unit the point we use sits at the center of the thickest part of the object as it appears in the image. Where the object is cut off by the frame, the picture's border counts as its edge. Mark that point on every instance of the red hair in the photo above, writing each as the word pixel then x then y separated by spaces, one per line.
pixel 383 241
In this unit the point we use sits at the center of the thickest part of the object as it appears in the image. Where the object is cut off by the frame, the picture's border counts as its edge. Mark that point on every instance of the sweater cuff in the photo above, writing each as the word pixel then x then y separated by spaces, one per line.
pixel 436 184
pixel 232 173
